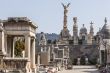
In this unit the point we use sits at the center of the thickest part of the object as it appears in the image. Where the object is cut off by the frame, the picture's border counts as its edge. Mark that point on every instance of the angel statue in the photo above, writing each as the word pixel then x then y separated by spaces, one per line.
pixel 65 8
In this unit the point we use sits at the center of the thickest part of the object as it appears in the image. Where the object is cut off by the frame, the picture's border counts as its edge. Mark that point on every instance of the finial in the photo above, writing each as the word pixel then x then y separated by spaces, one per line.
pixel 83 25
pixel 75 19
pixel 91 23
pixel 105 20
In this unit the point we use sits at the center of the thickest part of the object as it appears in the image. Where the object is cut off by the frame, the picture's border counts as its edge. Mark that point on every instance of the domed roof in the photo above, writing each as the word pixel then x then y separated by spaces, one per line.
pixel 42 36
pixel 83 30
pixel 106 30
pixel 65 33
pixel 108 27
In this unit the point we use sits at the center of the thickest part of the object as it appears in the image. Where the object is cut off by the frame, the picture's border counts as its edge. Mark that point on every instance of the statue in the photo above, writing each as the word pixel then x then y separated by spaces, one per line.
pixel 1 25
pixel 65 14
pixel 105 20
pixel 65 8
pixel 91 23
pixel 75 20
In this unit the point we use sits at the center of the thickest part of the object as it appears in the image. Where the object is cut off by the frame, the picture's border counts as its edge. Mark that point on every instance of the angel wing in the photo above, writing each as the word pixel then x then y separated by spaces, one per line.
pixel 68 5
pixel 63 5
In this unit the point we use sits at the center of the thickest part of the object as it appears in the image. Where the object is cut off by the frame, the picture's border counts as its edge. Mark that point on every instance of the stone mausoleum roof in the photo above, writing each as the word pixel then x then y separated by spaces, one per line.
pixel 83 30
pixel 105 31
pixel 20 19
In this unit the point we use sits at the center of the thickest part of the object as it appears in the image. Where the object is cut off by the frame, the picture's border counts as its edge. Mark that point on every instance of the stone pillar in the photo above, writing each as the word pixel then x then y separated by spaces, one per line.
pixel 38 60
pixel 2 50
pixel 5 43
pixel 86 59
pixel 49 54
pixel 27 53
pixel 2 41
pixel 13 48
pixel 100 57
pixel 78 61
pixel 27 47
pixel 33 53
pixel 33 56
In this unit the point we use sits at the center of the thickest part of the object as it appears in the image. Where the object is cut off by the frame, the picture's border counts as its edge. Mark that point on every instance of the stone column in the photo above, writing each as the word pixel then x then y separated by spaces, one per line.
pixel 33 56
pixel 27 53
pixel 2 50
pixel 13 48
pixel 5 43
pixel 38 60
pixel 2 41
pixel 27 47
pixel 49 54
pixel 33 53
pixel 100 57
pixel 78 61
pixel 86 59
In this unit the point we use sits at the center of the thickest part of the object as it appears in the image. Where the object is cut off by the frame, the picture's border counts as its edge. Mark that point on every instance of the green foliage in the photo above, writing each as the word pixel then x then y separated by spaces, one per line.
pixel 49 41
pixel 19 47
pixel 82 60
pixel 54 42
pixel 74 62
pixel 93 61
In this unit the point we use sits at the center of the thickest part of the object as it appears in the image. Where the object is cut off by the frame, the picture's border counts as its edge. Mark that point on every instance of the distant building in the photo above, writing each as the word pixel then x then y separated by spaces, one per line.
pixel 104 44
pixel 83 45
pixel 79 48
pixel 43 51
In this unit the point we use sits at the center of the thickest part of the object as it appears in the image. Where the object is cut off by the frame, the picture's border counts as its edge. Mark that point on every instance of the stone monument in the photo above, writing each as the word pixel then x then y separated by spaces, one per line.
pixel 18 27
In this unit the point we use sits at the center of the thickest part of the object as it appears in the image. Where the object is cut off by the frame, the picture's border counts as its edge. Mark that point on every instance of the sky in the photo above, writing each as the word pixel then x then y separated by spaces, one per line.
pixel 48 14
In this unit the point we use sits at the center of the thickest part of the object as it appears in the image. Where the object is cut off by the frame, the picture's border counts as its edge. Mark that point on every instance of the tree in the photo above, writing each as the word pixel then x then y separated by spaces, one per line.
pixel 49 41
pixel 54 42
pixel 82 60
pixel 19 47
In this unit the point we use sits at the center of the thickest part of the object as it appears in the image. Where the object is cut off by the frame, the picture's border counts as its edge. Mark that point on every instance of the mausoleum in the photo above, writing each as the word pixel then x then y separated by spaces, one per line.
pixel 10 30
